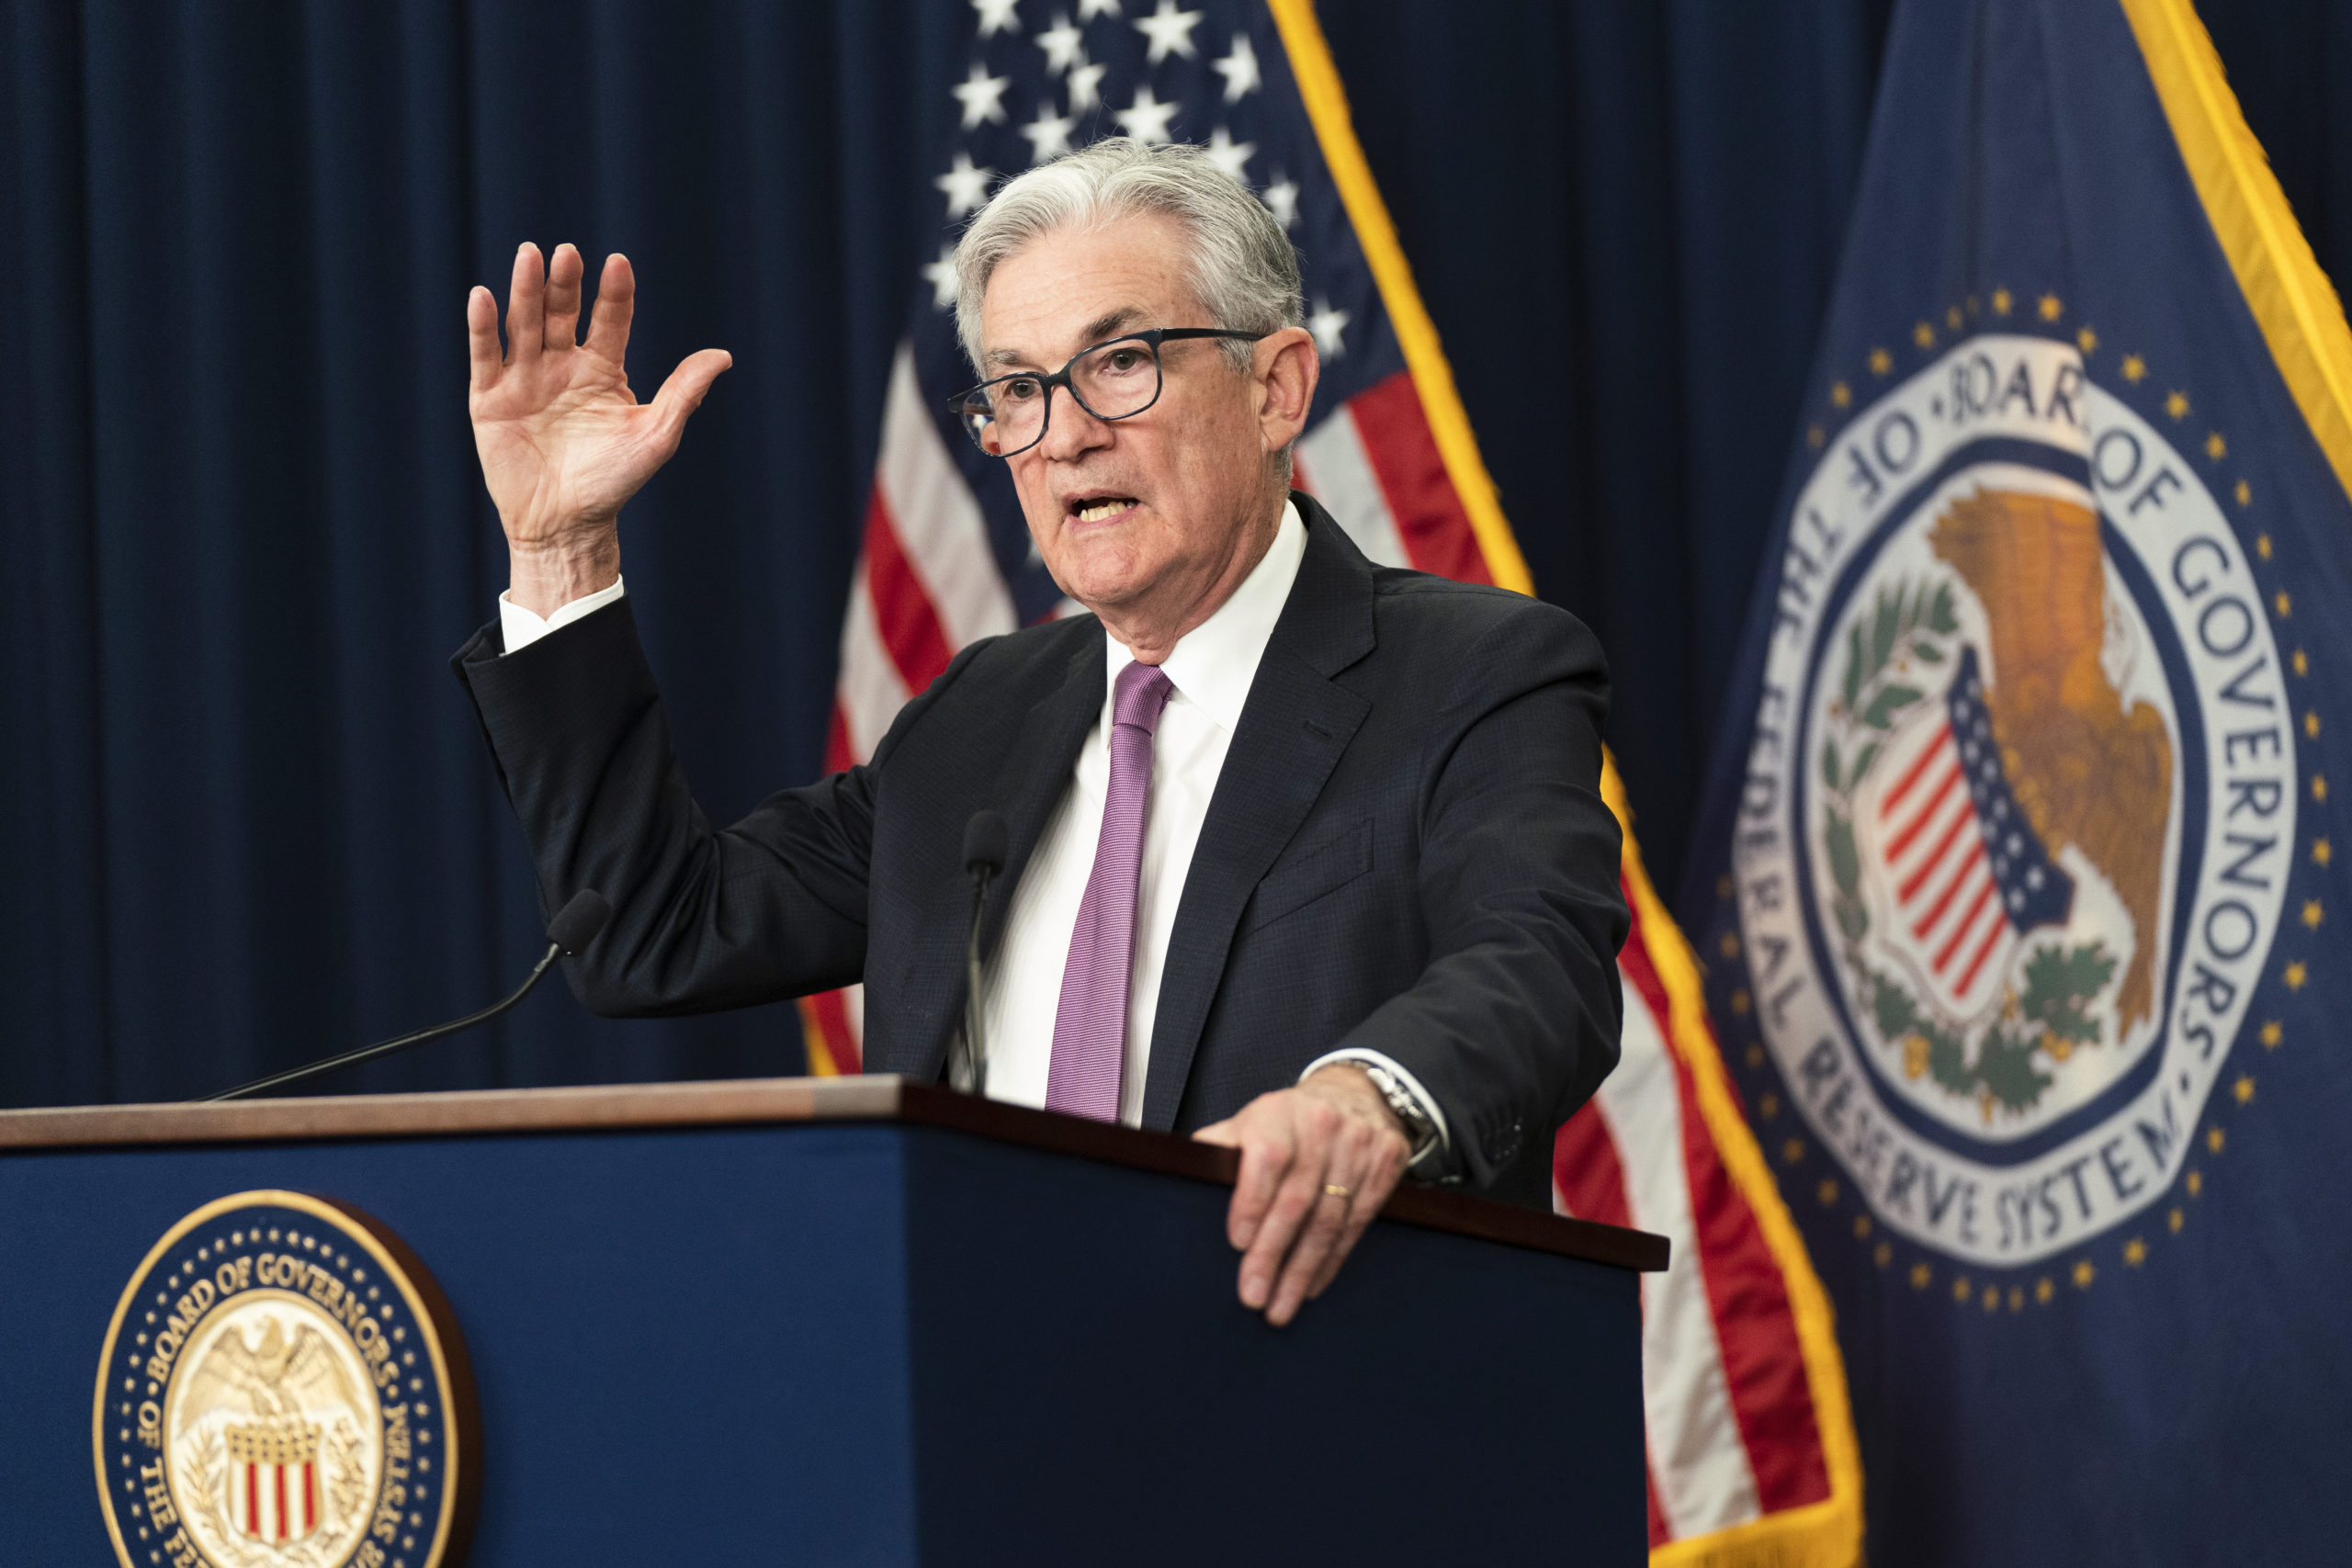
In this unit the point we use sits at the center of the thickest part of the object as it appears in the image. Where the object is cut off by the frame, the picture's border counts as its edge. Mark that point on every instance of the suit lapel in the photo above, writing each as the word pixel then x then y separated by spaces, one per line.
pixel 1294 729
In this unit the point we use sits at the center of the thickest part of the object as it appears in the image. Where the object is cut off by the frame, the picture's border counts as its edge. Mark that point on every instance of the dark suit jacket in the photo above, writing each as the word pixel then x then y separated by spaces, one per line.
pixel 1407 851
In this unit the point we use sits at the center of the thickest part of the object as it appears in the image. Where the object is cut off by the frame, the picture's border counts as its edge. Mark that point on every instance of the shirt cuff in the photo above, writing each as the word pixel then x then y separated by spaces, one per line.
pixel 520 628
pixel 1422 1097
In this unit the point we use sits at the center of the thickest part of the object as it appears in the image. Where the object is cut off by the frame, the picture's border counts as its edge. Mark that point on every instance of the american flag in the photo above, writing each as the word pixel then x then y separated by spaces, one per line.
pixel 1388 451
pixel 1968 873
pixel 1751 1451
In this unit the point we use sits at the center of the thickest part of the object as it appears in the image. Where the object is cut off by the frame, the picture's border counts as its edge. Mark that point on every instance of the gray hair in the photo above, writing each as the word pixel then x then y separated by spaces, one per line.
pixel 1244 269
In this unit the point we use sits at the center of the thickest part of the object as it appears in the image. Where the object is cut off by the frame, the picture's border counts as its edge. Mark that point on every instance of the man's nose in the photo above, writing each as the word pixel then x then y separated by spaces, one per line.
pixel 1070 429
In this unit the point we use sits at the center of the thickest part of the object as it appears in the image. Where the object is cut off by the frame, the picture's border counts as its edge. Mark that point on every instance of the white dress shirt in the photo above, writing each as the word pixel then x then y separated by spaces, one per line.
pixel 1211 668
pixel 520 627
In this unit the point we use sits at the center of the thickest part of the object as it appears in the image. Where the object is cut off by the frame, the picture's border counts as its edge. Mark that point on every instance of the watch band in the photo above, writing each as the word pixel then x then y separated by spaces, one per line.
pixel 1419 1128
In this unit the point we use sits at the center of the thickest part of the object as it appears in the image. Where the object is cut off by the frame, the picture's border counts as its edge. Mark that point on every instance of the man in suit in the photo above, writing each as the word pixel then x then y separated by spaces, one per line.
pixel 1307 856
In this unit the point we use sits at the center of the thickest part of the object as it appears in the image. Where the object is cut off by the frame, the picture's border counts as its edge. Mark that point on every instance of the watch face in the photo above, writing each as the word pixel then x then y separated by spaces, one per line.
pixel 1417 1125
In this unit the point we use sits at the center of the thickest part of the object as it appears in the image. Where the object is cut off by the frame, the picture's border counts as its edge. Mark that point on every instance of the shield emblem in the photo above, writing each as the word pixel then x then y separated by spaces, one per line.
pixel 272 1480
pixel 1957 859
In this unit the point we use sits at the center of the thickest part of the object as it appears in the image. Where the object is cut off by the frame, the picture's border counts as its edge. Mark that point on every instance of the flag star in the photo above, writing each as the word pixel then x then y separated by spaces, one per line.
pixel 1171 33
pixel 1049 134
pixel 1089 8
pixel 940 276
pixel 979 94
pixel 1239 69
pixel 996 16
pixel 1061 43
pixel 1327 324
pixel 1147 119
pixel 1281 199
pixel 1230 155
pixel 1086 86
pixel 966 187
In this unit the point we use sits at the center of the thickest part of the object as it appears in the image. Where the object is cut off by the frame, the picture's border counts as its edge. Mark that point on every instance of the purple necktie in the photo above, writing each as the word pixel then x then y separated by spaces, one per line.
pixel 1091 1025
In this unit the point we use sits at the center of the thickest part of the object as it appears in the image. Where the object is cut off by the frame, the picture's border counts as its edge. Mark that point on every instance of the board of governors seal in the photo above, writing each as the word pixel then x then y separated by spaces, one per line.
pixel 2013 830
pixel 283 1387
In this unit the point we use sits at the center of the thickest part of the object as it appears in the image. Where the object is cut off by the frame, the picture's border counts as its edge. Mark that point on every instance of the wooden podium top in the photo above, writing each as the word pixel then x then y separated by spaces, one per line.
pixel 756 1101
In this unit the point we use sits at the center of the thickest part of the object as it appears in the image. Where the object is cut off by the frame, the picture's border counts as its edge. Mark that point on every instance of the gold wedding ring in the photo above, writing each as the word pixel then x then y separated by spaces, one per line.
pixel 1333 1190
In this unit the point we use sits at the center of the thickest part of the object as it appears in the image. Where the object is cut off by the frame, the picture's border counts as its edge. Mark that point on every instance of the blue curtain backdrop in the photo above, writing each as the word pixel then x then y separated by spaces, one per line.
pixel 244 814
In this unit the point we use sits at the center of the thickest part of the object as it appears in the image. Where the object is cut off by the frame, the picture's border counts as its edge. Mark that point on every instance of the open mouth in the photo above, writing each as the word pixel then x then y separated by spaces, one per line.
pixel 1098 508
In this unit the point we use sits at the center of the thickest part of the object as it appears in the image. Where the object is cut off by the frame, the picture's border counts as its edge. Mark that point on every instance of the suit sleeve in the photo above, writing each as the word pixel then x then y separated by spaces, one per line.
pixel 703 918
pixel 1514 1021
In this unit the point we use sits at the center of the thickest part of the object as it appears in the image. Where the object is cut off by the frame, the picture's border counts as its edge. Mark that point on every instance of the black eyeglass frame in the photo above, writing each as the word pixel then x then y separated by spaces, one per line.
pixel 1061 377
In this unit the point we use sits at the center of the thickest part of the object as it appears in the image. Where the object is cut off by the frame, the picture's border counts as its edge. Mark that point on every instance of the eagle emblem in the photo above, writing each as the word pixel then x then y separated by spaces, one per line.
pixel 1991 776
pixel 278 1391
pixel 274 1478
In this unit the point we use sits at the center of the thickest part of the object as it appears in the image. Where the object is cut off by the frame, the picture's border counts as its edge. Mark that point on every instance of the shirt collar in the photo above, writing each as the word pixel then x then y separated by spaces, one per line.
pixel 1212 665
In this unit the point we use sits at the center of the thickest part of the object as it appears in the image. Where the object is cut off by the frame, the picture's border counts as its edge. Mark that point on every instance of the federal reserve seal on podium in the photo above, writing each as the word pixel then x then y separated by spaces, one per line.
pixel 283 1386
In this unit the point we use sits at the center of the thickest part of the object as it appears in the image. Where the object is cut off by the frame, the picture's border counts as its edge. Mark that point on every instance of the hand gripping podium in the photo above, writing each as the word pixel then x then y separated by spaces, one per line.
pixel 843 1321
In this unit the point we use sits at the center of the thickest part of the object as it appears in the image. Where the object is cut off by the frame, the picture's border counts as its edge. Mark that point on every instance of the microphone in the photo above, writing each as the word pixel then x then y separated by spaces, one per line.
pixel 984 852
pixel 574 926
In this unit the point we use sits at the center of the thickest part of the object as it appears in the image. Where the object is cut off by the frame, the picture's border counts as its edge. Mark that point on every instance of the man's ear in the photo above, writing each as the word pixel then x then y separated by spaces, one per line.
pixel 1286 370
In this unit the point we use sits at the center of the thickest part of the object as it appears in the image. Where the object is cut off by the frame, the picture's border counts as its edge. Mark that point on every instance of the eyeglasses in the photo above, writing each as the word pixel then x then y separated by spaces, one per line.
pixel 1117 379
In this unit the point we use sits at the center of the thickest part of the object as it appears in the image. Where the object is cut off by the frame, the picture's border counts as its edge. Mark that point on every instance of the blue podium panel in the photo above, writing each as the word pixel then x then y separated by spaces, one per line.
pixel 804 1340
pixel 677 1337
pixel 1088 1389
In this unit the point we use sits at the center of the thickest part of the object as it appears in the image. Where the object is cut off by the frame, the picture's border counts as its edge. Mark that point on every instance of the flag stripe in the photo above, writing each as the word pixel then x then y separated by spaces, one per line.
pixel 1826 1532
pixel 903 612
pixel 2000 927
pixel 1334 468
pixel 1403 454
pixel 1763 1364
pixel 1661 1532
pixel 1968 862
pixel 940 531
pixel 1967 924
pixel 827 1029
pixel 1586 1171
pixel 870 691
pixel 1926 814
pixel 1927 754
pixel 838 755
pixel 1588 1182
pixel 1697 1446
pixel 1935 857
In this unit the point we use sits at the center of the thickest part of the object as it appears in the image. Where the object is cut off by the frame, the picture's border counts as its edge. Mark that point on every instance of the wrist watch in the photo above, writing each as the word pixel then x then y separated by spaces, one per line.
pixel 1420 1130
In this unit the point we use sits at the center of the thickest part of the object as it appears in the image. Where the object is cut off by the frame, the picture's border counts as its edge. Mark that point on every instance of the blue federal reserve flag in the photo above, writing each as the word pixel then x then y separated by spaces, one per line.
pixel 2016 879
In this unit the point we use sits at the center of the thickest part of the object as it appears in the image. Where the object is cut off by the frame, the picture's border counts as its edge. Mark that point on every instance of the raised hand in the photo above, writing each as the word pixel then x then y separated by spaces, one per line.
pixel 563 441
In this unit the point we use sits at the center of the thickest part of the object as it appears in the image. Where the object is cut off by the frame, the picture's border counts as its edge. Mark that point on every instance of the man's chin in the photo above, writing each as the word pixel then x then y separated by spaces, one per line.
pixel 1103 576
pixel 1104 598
